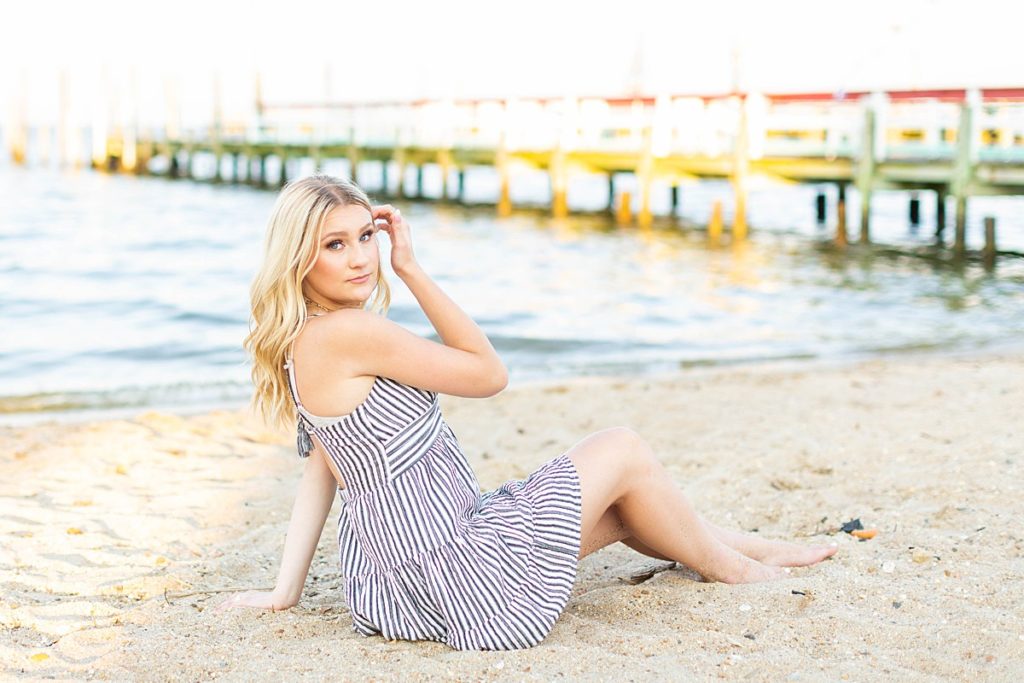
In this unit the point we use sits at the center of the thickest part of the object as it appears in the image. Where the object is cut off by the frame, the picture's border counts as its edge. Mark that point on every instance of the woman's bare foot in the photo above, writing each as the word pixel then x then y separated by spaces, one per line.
pixel 739 568
pixel 784 554
pixel 758 573
pixel 774 553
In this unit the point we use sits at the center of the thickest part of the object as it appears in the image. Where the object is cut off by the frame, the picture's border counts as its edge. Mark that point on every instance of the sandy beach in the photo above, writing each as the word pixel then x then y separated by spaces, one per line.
pixel 118 535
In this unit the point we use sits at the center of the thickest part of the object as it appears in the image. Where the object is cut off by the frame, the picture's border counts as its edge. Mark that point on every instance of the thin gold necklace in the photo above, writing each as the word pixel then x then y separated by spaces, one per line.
pixel 318 305
pixel 324 308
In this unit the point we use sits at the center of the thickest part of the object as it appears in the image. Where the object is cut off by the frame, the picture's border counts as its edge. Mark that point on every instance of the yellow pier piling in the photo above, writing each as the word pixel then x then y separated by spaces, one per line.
pixel 644 176
pixel 559 184
pixel 501 162
pixel 740 170
pixel 624 212
pixel 715 225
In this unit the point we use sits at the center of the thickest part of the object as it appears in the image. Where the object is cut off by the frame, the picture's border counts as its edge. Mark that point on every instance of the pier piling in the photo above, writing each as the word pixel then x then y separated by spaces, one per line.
pixel 401 165
pixel 282 176
pixel 841 238
pixel 504 184
pixel 715 224
pixel 988 253
pixel 740 171
pixel 624 214
pixel 940 214
pixel 444 162
pixel 960 236
pixel 353 156
pixel 819 207
pixel 559 184
pixel 963 169
pixel 645 176
pixel 866 170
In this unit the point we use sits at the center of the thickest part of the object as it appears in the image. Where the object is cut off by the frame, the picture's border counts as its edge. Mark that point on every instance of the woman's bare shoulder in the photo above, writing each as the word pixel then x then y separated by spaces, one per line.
pixel 369 344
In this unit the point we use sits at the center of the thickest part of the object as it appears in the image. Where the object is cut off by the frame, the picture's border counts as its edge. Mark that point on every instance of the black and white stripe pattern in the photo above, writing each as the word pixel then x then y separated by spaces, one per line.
pixel 425 554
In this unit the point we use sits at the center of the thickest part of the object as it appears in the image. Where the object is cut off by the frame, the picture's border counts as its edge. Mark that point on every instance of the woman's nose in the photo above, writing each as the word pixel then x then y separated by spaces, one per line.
pixel 359 255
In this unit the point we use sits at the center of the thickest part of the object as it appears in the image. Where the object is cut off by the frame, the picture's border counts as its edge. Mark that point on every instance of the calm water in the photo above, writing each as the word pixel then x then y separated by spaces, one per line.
pixel 121 293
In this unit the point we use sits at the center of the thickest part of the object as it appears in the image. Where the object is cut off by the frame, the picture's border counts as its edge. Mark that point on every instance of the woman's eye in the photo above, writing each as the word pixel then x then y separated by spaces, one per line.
pixel 368 234
pixel 330 245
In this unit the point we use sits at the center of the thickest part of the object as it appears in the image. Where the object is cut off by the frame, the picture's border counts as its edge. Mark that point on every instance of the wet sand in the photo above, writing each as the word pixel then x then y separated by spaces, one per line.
pixel 115 536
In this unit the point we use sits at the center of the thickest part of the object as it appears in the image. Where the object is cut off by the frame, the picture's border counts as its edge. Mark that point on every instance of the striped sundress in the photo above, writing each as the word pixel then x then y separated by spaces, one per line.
pixel 424 554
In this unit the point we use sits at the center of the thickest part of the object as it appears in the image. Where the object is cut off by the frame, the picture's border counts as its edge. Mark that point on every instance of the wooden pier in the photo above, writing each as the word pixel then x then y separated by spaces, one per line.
pixel 952 143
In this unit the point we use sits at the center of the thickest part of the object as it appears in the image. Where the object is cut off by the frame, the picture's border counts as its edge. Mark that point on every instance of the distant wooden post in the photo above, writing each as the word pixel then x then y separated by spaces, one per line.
pixel 841 237
pixel 866 169
pixel 558 171
pixel 461 187
pixel 741 168
pixel 645 175
pixel 624 214
pixel 63 132
pixel 444 161
pixel 820 213
pixel 914 210
pixel 282 177
pixel 17 133
pixel 989 252
pixel 502 163
pixel 558 180
pixel 673 199
pixel 217 129
pixel 315 155
pixel 715 225
pixel 173 171
pixel 611 192
pixel 246 153
pixel 419 181
pixel 963 169
pixel 401 161
pixel 940 212
pixel 353 156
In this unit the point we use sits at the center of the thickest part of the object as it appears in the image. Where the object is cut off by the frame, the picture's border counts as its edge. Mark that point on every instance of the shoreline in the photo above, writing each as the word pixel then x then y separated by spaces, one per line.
pixel 679 370
pixel 115 533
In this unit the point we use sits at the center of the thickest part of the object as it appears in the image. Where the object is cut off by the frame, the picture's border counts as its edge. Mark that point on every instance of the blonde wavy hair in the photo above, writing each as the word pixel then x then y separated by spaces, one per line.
pixel 278 313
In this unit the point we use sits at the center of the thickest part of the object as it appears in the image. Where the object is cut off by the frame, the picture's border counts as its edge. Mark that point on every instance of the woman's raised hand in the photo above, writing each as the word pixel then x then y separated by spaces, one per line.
pixel 402 258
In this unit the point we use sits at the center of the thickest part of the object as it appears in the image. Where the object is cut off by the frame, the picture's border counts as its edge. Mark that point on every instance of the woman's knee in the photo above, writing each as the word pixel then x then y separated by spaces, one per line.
pixel 634 453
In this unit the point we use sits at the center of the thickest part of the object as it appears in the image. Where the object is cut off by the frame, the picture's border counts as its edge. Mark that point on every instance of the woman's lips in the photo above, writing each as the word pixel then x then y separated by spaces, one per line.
pixel 360 280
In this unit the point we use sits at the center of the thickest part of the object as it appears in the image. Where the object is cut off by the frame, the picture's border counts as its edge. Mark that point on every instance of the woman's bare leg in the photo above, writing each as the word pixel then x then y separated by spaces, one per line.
pixel 611 529
pixel 616 467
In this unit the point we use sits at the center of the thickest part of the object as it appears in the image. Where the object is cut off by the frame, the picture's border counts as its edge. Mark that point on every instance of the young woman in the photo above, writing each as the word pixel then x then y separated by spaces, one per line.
pixel 425 555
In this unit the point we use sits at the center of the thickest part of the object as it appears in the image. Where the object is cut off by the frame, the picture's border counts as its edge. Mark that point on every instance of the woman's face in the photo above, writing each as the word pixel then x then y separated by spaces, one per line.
pixel 344 273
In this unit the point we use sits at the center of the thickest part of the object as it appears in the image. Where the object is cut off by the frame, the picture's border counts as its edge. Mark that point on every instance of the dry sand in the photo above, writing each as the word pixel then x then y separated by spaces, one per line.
pixel 114 532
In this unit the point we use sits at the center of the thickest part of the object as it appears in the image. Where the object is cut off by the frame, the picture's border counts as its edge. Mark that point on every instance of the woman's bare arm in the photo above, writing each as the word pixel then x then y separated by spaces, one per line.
pixel 317 489
pixel 464 364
